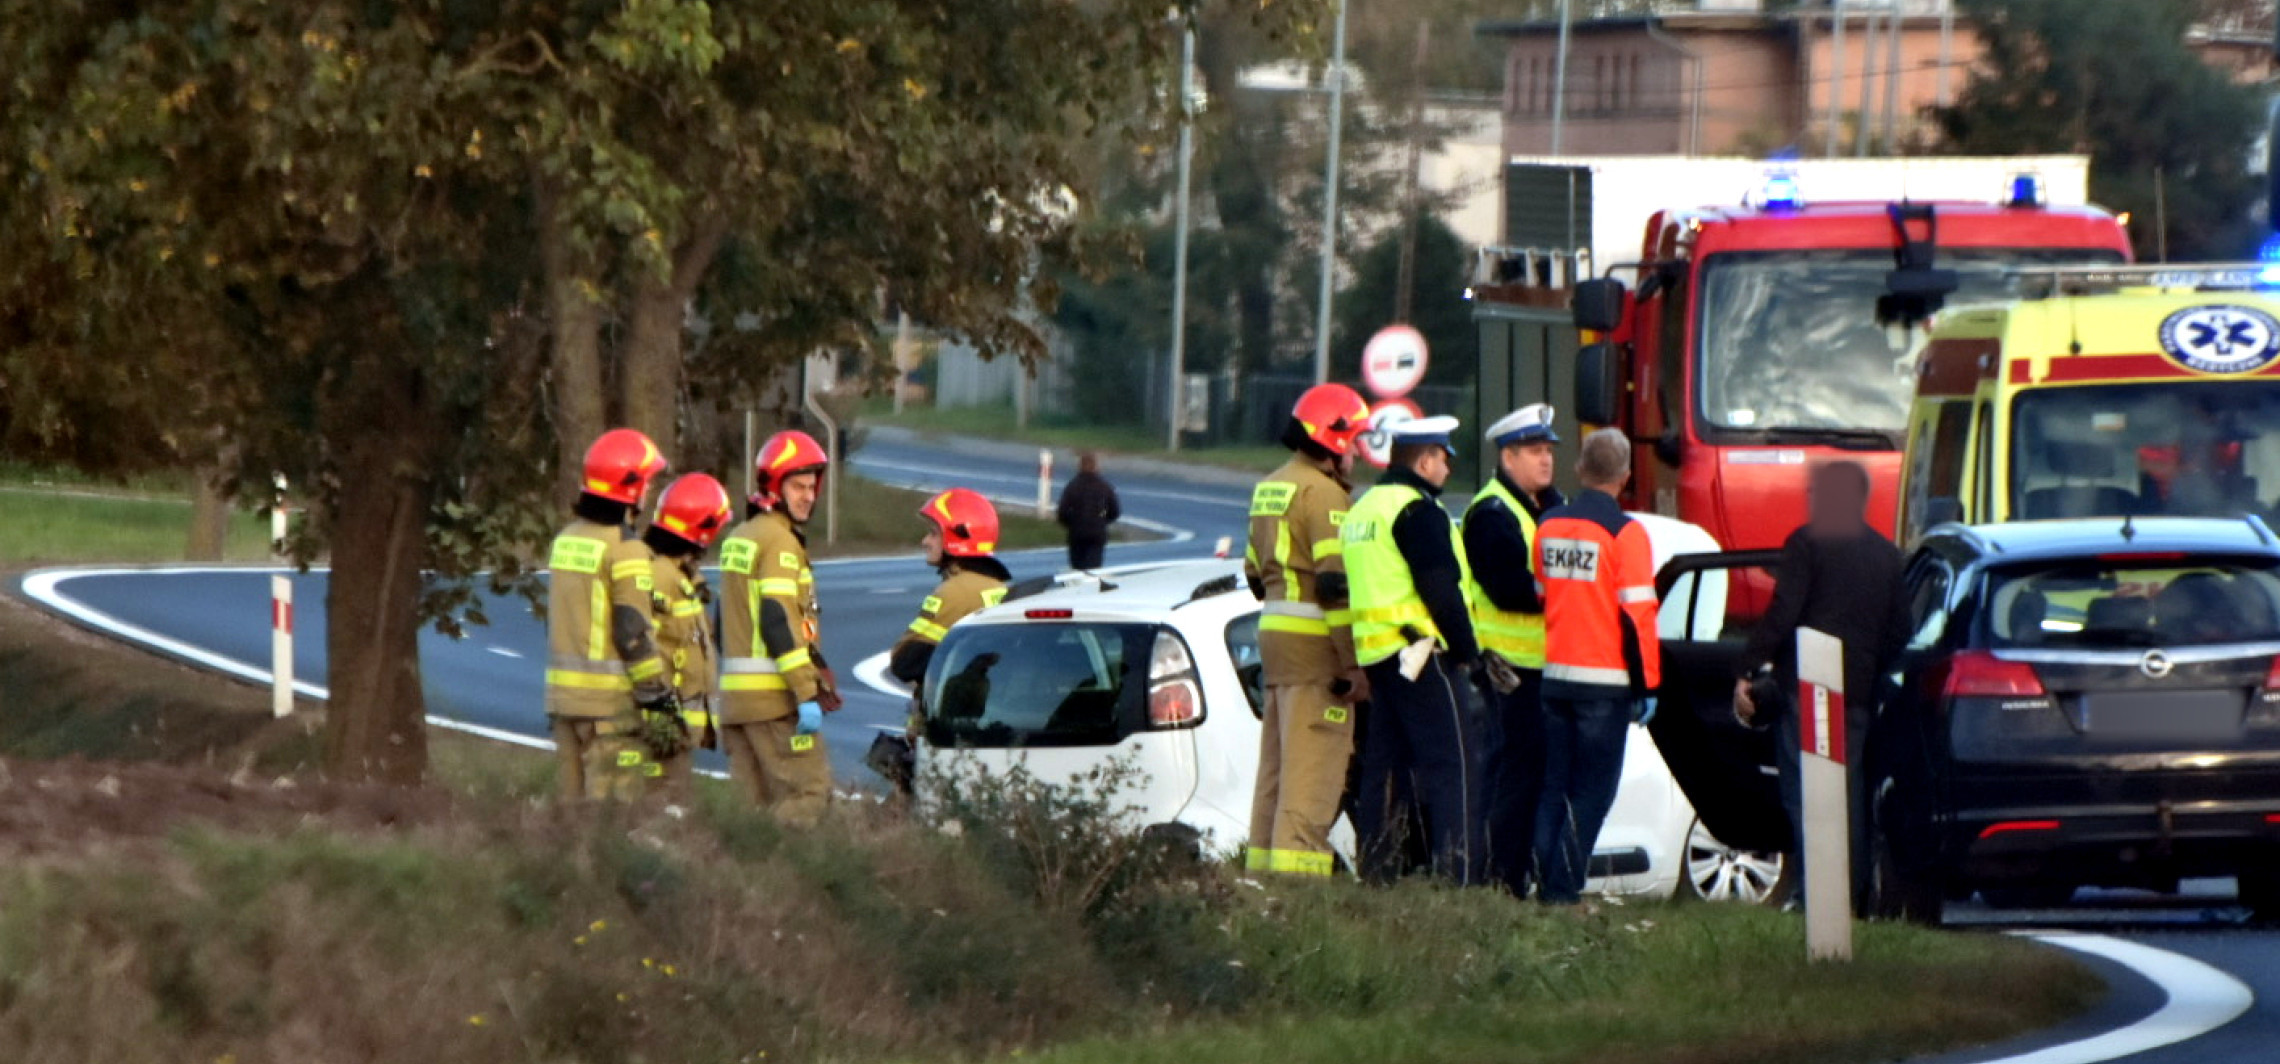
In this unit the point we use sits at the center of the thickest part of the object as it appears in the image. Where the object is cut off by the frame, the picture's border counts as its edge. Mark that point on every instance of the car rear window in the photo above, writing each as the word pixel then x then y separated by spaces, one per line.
pixel 1076 684
pixel 2135 603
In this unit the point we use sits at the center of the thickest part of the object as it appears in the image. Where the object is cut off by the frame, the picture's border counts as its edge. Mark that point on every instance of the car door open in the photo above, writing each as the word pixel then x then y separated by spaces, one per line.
pixel 1725 768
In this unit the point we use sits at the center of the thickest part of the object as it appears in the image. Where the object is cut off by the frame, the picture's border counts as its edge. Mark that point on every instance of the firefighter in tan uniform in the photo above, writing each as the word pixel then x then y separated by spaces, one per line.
pixel 690 515
pixel 1296 565
pixel 961 544
pixel 603 672
pixel 775 687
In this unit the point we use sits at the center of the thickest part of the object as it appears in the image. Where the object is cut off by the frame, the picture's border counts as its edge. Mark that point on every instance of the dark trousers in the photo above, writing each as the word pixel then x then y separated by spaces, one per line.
pixel 1790 759
pixel 1515 780
pixel 1583 763
pixel 1086 553
pixel 1423 746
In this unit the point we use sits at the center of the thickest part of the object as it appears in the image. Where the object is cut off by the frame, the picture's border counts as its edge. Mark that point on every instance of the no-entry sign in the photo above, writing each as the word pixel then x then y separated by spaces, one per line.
pixel 1394 361
pixel 1377 443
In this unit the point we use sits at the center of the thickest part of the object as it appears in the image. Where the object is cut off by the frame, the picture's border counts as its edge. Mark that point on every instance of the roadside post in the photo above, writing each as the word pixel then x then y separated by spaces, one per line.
pixel 1044 483
pixel 280 610
pixel 1826 798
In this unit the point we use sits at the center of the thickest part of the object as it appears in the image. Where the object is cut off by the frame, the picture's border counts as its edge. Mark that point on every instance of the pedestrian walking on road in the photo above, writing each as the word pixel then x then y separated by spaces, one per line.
pixel 775 685
pixel 1508 619
pixel 604 677
pixel 1837 575
pixel 1414 639
pixel 1296 566
pixel 961 545
pixel 692 513
pixel 1602 661
pixel 1088 507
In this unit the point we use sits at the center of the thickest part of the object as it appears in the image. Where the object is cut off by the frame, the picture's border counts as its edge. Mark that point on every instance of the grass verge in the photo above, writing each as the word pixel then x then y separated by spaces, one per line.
pixel 205 911
pixel 55 525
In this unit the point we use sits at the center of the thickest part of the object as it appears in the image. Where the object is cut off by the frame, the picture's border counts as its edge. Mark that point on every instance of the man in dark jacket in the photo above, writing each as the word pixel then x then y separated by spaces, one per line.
pixel 1088 507
pixel 1840 576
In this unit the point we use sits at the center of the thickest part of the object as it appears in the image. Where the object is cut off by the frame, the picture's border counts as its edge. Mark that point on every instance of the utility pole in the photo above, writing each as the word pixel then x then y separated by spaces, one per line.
pixel 1330 196
pixel 1406 276
pixel 1947 50
pixel 1867 122
pixel 1559 78
pixel 1178 409
pixel 1835 117
pixel 1892 79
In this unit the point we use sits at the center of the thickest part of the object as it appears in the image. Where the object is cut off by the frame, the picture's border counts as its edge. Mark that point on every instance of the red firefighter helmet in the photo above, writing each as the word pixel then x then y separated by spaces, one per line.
pixel 695 508
pixel 786 454
pixel 968 522
pixel 620 465
pixel 1332 415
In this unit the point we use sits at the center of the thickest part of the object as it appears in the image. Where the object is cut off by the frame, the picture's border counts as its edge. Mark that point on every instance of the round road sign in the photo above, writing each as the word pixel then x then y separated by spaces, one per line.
pixel 1377 443
pixel 1394 361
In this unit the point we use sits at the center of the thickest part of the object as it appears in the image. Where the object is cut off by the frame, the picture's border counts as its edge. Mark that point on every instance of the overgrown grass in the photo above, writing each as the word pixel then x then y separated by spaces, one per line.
pixel 48 526
pixel 875 517
pixel 998 423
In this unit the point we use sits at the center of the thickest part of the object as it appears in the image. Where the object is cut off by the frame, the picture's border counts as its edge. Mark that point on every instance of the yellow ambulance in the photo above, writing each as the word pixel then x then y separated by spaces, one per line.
pixel 2105 392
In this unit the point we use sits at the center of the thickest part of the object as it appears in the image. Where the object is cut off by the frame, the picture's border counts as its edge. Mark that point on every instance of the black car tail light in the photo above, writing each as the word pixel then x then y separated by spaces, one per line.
pixel 2272 678
pixel 1979 674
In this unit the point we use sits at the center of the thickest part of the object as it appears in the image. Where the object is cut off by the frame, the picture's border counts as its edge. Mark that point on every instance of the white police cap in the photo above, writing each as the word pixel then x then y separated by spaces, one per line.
pixel 1529 424
pixel 1426 430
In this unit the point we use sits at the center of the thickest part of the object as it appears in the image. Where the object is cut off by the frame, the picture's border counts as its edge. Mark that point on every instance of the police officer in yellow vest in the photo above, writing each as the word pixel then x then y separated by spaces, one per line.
pixel 1414 638
pixel 1508 619
pixel 692 513
pixel 1296 565
pixel 775 687
pixel 603 672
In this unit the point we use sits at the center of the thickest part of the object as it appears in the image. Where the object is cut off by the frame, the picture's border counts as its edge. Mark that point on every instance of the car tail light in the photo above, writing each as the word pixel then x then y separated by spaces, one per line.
pixel 1050 615
pixel 1979 674
pixel 1175 699
pixel 2005 827
pixel 2272 818
pixel 2272 676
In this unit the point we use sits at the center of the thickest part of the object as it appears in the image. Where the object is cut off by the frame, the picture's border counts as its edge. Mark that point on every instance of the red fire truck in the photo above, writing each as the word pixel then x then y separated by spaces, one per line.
pixel 1756 339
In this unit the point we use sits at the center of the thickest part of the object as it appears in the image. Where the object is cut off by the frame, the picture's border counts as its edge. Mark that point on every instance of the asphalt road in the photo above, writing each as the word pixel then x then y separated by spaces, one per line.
pixel 491 680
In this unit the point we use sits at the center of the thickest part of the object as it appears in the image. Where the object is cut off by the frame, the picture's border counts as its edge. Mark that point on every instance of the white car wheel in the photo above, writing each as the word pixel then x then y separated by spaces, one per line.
pixel 1718 872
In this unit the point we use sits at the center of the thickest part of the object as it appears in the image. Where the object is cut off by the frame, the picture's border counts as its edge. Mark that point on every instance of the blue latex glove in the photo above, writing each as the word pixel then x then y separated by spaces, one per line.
pixel 1643 710
pixel 811 718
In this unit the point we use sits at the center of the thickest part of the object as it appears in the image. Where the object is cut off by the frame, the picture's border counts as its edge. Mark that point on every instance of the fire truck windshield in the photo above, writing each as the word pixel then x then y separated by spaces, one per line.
pixel 2187 449
pixel 1789 347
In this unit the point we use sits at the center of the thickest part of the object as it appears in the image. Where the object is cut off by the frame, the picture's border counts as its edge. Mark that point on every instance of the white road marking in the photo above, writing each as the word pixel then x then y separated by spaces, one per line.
pixel 2200 999
pixel 504 652
pixel 890 591
pixel 969 475
pixel 873 672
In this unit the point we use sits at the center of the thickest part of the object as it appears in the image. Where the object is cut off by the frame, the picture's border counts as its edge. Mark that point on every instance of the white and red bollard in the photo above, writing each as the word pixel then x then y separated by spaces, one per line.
pixel 1044 483
pixel 1826 801
pixel 280 613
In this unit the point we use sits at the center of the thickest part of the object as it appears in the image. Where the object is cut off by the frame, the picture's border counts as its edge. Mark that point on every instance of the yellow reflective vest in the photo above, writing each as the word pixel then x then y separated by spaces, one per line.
pixel 595 569
pixel 1385 598
pixel 765 560
pixel 1518 638
pixel 1296 514
pixel 962 592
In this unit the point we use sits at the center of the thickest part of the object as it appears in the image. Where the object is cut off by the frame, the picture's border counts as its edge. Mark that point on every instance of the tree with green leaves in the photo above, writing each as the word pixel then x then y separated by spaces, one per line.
pixel 2168 137
pixel 1438 309
pixel 412 253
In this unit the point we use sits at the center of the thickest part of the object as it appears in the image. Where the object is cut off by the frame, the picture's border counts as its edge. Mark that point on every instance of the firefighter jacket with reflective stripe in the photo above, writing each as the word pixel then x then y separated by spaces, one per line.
pixel 1517 637
pixel 1306 634
pixel 1388 610
pixel 1599 601
pixel 964 591
pixel 767 663
pixel 600 644
pixel 684 634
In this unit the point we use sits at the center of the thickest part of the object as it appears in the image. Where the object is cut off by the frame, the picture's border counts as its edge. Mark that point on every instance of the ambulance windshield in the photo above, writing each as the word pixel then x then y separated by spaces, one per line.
pixel 1789 345
pixel 2203 448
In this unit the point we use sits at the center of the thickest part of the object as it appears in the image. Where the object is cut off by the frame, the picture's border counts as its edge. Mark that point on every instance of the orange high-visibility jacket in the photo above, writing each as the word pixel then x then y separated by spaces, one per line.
pixel 1599 601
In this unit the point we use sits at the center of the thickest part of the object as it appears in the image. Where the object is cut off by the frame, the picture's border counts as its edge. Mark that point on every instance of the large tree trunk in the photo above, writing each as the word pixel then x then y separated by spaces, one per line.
pixel 209 517
pixel 580 401
pixel 376 725
pixel 650 361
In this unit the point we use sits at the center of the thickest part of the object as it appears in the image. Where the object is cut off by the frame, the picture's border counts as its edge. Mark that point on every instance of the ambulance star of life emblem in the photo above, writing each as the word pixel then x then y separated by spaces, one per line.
pixel 2221 338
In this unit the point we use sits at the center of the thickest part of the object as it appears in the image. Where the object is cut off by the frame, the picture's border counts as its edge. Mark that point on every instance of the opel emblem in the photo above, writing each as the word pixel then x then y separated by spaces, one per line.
pixel 2156 664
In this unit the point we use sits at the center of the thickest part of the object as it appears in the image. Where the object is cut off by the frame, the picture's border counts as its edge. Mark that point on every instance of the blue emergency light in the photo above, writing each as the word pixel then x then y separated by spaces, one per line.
pixel 1779 192
pixel 2026 190
pixel 2269 255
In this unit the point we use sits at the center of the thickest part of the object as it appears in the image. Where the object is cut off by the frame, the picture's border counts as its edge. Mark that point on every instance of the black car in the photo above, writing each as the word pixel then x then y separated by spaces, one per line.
pixel 2084 702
